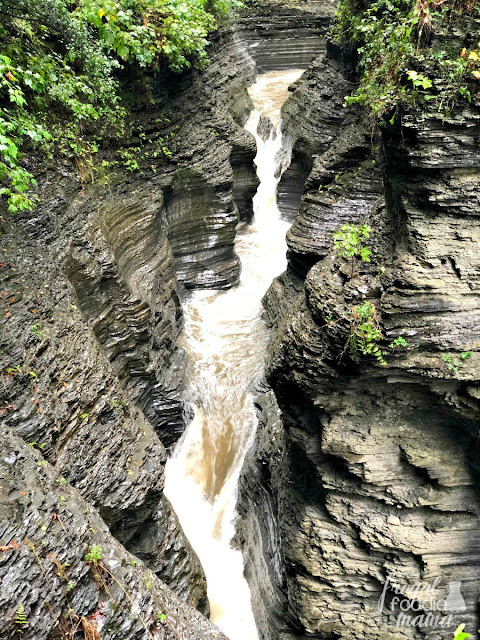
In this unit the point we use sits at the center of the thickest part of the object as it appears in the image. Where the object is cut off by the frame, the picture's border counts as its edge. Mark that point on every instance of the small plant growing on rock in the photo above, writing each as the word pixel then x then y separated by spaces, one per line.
pixel 94 555
pixel 366 333
pixel 20 618
pixel 102 575
pixel 11 371
pixel 38 445
pixel 454 365
pixel 460 634
pixel 419 80
pixel 349 242
pixel 36 333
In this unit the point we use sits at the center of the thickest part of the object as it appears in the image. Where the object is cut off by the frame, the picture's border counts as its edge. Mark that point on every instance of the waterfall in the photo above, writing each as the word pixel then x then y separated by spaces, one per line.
pixel 226 341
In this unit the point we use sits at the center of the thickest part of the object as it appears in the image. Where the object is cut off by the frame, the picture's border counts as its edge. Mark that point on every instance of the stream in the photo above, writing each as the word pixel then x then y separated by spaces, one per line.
pixel 226 341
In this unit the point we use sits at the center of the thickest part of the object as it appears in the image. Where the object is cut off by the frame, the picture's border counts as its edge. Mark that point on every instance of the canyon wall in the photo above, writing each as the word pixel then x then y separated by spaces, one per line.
pixel 92 379
pixel 52 588
pixel 282 35
pixel 362 474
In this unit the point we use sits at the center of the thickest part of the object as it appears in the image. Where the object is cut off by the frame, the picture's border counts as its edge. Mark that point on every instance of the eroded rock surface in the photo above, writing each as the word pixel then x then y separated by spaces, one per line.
pixel 90 287
pixel 370 471
pixel 285 35
pixel 46 573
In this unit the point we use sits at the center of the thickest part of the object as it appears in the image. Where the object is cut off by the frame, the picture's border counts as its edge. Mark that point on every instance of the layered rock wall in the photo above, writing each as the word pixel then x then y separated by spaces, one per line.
pixel 370 473
pixel 284 35
pixel 62 572
pixel 90 373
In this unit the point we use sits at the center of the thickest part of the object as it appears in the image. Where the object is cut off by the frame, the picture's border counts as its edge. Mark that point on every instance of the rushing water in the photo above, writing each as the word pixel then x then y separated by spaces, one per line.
pixel 226 341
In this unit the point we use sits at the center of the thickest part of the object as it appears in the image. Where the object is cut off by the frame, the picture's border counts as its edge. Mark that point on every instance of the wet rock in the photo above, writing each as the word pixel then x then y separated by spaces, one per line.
pixel 264 128
pixel 259 531
pixel 334 146
pixel 245 179
pixel 66 395
pixel 91 283
pixel 290 189
pixel 282 36
pixel 47 531
pixel 370 471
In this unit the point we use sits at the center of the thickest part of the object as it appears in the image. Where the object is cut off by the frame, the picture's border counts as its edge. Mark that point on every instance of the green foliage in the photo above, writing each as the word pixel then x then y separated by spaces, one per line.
pixel 141 31
pixel 94 555
pixel 454 365
pixel 37 334
pixel 349 242
pixel 398 342
pixel 419 80
pixel 59 91
pixel 36 444
pixel 129 160
pixel 20 618
pixel 13 370
pixel 395 62
pixel 50 93
pixel 459 633
pixel 366 334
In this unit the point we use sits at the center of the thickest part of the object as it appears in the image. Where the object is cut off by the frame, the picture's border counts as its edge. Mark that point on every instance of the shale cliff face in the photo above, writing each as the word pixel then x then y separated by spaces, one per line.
pixel 91 376
pixel 44 569
pixel 364 475
pixel 282 35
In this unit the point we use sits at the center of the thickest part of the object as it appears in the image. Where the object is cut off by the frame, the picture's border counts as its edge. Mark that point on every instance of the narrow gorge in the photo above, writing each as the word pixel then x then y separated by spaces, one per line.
pixel 220 419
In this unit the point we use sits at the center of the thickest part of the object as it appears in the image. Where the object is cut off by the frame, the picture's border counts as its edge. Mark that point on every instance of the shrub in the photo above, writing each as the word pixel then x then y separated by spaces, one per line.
pixel 395 62
pixel 58 63
pixel 349 242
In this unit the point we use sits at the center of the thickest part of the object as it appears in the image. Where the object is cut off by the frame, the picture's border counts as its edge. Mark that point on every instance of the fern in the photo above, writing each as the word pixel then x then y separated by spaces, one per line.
pixel 20 617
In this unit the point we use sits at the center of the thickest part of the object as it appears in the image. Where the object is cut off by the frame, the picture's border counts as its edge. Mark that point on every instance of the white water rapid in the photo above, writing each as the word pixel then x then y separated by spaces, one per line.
pixel 226 341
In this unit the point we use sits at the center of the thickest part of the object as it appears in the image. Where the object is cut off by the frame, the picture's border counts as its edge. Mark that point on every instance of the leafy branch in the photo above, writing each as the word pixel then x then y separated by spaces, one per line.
pixel 349 243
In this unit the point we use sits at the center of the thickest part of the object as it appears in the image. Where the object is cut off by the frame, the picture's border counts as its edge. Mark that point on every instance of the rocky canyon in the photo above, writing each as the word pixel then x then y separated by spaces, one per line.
pixel 357 508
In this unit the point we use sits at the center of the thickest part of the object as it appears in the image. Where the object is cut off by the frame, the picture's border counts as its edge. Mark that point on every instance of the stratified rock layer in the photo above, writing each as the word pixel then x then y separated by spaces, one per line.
pixel 369 474
pixel 90 287
pixel 52 588
pixel 284 35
